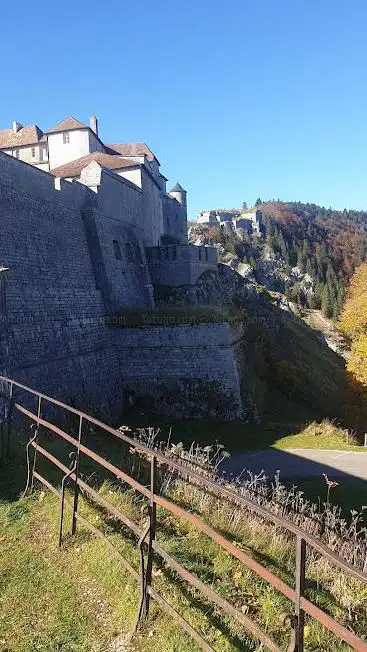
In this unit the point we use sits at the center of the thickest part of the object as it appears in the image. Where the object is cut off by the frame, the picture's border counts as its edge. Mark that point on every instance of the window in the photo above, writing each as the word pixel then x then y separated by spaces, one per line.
pixel 17 153
pixel 66 137
pixel 138 254
pixel 117 250
pixel 129 251
pixel 33 152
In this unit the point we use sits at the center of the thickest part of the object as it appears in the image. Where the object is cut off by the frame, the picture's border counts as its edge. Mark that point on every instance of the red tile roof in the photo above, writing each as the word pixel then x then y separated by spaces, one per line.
pixel 74 168
pixel 68 124
pixel 30 135
pixel 133 149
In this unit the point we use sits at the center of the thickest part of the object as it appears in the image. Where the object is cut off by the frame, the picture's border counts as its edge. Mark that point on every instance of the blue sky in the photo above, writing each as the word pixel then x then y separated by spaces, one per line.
pixel 238 99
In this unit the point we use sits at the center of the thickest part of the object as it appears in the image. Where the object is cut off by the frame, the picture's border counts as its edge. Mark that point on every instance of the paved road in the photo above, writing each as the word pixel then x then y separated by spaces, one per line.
pixel 300 463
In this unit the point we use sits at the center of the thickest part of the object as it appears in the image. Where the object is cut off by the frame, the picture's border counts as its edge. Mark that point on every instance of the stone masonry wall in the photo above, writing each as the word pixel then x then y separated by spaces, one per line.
pixel 183 371
pixel 178 265
pixel 54 335
pixel 53 332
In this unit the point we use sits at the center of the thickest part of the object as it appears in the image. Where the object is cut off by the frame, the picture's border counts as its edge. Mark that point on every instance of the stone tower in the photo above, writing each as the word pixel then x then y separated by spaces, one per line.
pixel 177 192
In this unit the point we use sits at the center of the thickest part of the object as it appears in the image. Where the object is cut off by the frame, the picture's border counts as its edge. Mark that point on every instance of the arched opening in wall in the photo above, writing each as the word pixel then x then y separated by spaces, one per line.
pixel 117 249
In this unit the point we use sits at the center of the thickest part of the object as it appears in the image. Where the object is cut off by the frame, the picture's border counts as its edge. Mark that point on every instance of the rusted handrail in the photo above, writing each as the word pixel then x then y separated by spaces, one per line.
pixel 301 604
pixel 230 494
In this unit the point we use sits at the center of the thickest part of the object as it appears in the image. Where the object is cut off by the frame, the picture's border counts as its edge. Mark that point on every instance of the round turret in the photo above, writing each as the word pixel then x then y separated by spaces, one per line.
pixel 177 192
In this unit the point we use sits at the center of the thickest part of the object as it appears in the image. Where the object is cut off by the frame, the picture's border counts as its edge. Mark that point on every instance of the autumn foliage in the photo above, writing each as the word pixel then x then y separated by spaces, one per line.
pixel 353 319
pixel 353 323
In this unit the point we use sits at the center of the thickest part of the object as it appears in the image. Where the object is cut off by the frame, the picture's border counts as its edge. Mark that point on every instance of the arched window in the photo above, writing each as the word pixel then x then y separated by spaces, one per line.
pixel 117 249
pixel 138 254
pixel 129 251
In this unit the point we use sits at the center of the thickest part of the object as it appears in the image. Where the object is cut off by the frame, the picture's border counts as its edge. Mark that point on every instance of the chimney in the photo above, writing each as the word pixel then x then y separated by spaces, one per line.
pixel 16 126
pixel 93 123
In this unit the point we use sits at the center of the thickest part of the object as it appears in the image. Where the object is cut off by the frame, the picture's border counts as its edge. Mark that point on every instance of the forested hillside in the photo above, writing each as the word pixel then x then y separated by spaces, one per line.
pixel 326 244
pixel 306 251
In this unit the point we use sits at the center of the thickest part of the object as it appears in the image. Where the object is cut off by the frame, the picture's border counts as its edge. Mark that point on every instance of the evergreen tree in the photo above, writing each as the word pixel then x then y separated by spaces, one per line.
pixel 313 301
pixel 326 302
pixel 309 269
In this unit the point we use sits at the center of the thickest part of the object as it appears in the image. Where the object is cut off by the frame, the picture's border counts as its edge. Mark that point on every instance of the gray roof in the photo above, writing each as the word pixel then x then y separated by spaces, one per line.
pixel 177 188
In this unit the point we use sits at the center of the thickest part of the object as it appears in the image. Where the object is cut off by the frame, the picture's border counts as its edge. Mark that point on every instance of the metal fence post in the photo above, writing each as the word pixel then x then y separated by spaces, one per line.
pixel 300 587
pixel 62 499
pixel 152 531
pixel 9 418
pixel 36 440
pixel 76 486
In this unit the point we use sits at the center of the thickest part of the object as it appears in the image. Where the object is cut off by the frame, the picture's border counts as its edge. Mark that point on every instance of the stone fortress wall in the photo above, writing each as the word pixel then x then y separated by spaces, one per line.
pixel 53 333
pixel 71 257
pixel 178 265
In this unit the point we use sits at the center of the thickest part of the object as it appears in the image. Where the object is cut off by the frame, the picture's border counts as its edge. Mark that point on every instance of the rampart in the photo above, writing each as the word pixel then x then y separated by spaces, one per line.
pixel 68 260
pixel 177 265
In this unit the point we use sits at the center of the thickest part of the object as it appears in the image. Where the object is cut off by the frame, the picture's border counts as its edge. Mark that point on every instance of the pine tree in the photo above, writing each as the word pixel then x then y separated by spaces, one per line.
pixel 326 302
pixel 319 288
pixel 309 269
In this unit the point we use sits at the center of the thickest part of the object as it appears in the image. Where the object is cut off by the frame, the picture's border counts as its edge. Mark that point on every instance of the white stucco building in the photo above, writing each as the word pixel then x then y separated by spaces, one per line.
pixel 74 151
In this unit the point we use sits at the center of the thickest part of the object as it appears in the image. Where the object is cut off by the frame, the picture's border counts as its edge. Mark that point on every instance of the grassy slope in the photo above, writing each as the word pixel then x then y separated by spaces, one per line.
pixel 236 436
pixel 324 435
pixel 80 599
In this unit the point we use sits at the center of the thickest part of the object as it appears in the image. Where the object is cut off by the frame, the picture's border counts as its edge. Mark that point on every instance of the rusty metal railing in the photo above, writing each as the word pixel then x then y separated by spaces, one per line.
pixel 147 543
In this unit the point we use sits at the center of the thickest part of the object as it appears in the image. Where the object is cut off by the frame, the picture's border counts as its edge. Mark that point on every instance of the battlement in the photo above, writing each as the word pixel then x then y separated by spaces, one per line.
pixel 177 265
pixel 42 185
pixel 76 250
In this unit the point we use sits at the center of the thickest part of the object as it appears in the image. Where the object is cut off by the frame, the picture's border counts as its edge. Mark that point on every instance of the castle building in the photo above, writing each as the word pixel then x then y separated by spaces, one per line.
pixel 74 152
pixel 232 219
pixel 89 230
pixel 217 216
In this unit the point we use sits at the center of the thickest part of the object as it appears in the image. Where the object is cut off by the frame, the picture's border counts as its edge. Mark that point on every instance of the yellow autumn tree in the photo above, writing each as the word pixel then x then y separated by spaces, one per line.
pixel 353 319
pixel 357 363
pixel 353 323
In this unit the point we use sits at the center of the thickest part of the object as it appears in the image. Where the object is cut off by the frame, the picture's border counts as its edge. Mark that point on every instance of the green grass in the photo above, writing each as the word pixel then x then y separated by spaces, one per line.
pixel 80 599
pixel 238 436
pixel 42 606
pixel 324 435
